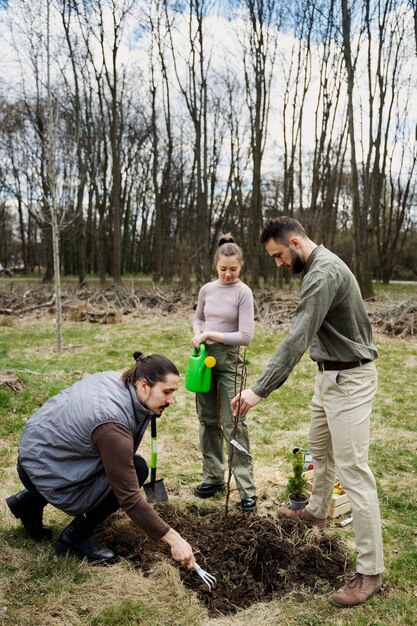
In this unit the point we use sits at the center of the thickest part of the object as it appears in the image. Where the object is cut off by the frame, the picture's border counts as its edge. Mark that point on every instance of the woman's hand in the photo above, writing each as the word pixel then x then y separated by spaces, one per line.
pixel 197 339
pixel 181 551
pixel 202 338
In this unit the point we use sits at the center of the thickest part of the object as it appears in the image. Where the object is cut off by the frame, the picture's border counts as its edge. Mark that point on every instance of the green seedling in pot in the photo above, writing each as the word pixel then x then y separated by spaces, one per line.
pixel 297 483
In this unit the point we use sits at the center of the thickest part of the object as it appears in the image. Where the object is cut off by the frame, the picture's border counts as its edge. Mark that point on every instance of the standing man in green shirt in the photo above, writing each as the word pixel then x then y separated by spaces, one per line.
pixel 331 319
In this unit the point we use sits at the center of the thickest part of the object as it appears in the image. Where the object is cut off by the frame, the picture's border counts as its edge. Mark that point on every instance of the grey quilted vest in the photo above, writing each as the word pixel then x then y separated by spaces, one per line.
pixel 56 449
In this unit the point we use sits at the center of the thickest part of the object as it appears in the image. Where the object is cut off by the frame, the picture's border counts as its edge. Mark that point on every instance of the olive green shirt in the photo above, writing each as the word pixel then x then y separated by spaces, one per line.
pixel 330 317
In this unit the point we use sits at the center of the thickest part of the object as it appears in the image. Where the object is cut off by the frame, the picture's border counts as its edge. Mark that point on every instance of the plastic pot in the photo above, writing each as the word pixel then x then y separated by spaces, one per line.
pixel 296 505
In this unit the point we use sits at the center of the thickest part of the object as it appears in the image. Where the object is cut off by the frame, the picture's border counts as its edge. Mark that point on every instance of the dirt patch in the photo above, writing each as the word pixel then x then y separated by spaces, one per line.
pixel 253 558
pixel 94 304
pixel 9 380
pixel 275 309
pixel 397 319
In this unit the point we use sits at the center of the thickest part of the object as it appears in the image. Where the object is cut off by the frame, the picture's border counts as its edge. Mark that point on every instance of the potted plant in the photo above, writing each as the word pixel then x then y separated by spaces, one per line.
pixel 297 483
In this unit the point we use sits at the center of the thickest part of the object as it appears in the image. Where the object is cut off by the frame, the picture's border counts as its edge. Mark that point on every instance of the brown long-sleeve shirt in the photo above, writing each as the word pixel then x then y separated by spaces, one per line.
pixel 115 445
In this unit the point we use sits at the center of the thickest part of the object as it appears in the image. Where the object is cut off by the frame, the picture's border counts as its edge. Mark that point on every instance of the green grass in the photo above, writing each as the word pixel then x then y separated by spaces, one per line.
pixel 126 614
pixel 34 581
pixel 395 291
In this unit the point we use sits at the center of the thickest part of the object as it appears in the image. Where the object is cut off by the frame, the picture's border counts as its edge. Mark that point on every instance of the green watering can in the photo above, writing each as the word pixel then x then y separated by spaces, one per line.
pixel 198 372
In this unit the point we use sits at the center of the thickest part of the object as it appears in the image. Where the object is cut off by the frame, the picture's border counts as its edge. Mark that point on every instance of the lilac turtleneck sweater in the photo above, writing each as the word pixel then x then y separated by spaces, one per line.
pixel 227 309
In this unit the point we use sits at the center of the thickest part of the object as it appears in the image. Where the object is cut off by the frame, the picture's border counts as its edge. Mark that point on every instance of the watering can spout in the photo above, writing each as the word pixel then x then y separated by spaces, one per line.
pixel 198 372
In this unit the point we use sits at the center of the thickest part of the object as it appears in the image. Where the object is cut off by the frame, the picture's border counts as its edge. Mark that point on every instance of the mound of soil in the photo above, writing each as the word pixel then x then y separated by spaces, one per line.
pixel 253 558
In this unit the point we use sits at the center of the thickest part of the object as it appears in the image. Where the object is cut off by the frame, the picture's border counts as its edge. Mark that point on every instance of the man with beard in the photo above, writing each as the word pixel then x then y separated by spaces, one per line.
pixel 78 452
pixel 331 319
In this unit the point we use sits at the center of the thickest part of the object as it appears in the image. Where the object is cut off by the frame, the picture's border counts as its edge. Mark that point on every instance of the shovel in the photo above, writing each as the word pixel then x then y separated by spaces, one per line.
pixel 155 490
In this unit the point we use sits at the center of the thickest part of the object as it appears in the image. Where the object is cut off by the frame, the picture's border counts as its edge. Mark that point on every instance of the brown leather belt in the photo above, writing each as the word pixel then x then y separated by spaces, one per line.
pixel 340 365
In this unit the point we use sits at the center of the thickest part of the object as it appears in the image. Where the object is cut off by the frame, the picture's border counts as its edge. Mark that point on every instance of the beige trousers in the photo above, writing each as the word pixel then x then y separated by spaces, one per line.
pixel 339 442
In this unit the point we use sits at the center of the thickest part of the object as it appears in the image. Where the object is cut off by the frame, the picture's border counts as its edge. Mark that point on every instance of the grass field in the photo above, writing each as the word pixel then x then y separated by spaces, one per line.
pixel 38 588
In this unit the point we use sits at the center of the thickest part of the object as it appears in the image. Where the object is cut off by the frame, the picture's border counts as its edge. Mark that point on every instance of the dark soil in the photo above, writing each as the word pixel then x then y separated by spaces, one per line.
pixel 253 558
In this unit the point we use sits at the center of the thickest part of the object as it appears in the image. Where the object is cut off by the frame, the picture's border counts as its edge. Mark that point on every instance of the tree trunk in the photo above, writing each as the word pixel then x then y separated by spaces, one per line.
pixel 359 213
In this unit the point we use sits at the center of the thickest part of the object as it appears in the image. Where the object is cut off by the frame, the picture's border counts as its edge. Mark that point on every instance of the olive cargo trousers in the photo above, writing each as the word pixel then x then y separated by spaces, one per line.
pixel 217 423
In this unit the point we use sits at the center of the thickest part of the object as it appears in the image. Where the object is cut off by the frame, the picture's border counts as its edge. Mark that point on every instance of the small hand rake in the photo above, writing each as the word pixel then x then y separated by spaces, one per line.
pixel 209 579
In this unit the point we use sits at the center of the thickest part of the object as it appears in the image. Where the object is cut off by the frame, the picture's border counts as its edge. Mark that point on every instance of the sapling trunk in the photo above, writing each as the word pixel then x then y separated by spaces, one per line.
pixel 236 418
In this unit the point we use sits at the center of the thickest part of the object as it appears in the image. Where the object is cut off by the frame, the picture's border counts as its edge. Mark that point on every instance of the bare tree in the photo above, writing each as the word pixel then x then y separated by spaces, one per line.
pixel 232 210
pixel 162 159
pixel 297 72
pixel 259 44
pixel 413 5
pixel 194 89
pixel 32 62
pixel 110 79
pixel 14 168
pixel 79 75
pixel 148 171
pixel 359 212
pixel 388 172
pixel 329 130
pixel 51 172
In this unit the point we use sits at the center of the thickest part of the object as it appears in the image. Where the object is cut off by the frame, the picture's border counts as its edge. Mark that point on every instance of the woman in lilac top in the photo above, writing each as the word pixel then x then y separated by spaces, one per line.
pixel 224 321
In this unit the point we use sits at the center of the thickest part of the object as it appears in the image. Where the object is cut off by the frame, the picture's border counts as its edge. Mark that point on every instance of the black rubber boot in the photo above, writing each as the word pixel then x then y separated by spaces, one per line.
pixel 207 490
pixel 28 507
pixel 76 539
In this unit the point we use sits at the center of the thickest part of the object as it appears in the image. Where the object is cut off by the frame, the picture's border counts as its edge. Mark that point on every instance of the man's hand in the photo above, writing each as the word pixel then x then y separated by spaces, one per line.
pixel 181 551
pixel 244 401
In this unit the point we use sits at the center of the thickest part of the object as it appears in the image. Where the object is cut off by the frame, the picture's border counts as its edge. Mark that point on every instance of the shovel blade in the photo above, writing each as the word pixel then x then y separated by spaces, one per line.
pixel 156 492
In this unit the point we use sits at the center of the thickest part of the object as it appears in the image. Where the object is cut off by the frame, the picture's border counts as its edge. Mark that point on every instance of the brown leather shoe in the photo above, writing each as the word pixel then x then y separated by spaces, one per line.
pixel 357 590
pixel 304 515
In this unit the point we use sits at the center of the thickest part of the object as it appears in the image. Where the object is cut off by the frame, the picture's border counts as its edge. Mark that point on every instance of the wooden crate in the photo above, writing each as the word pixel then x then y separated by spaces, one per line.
pixel 339 504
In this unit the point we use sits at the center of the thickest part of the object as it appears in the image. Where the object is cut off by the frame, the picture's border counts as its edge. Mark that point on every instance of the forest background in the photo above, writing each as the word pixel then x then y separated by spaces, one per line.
pixel 132 132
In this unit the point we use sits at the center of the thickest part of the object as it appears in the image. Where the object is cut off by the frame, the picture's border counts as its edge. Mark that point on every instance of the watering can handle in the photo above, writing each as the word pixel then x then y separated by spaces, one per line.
pixel 201 350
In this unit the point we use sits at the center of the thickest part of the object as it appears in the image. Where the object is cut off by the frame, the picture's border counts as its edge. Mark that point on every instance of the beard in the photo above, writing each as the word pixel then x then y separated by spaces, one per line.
pixel 297 262
pixel 161 408
pixel 145 402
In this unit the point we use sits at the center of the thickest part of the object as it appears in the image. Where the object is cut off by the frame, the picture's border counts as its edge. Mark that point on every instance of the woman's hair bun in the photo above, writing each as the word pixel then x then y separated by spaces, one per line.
pixel 138 356
pixel 225 238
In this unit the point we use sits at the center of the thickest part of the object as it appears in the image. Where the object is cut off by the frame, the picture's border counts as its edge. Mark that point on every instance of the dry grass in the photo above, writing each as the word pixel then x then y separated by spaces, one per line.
pixel 81 593
pixel 39 589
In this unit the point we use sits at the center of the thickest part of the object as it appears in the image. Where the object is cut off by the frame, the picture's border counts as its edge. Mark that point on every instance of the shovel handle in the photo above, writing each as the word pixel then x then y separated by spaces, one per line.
pixel 154 448
pixel 154 452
